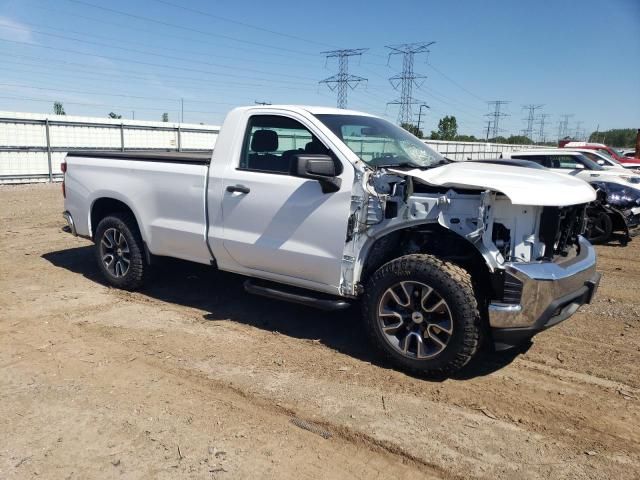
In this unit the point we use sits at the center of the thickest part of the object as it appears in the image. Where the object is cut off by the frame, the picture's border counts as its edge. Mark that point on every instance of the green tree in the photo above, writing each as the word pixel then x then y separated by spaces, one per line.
pixel 519 140
pixel 58 109
pixel 114 115
pixel 447 129
pixel 466 138
pixel 411 128
pixel 617 137
pixel 165 117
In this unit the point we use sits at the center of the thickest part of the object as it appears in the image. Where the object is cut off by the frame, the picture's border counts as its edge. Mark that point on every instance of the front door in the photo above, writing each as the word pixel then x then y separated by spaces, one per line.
pixel 275 222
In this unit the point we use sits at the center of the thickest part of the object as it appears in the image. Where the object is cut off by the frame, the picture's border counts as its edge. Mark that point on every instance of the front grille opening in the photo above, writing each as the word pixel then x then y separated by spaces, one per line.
pixel 512 289
pixel 560 228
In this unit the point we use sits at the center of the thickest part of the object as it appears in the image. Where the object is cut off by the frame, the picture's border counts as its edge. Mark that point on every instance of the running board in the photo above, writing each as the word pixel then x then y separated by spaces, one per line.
pixel 289 296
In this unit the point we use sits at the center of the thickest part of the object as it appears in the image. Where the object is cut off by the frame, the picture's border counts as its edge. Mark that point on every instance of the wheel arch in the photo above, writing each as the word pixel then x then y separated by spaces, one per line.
pixel 106 205
pixel 430 238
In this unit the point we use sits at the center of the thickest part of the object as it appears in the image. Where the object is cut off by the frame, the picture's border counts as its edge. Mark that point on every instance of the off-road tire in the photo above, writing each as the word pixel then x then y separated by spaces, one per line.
pixel 453 284
pixel 126 224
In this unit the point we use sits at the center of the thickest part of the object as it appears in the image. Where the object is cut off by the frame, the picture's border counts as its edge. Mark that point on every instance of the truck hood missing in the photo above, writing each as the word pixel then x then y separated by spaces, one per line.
pixel 523 186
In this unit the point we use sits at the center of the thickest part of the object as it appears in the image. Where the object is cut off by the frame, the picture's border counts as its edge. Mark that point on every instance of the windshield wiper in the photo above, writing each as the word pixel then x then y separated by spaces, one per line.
pixel 400 165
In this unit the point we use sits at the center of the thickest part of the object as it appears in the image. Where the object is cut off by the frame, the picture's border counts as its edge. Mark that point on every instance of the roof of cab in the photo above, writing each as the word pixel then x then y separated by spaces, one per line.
pixel 315 110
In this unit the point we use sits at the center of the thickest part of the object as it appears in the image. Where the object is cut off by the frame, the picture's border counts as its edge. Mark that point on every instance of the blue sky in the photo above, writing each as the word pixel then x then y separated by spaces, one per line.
pixel 574 57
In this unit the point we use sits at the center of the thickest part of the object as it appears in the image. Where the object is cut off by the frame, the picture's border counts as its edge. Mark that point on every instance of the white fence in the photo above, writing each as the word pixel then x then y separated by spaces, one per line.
pixel 32 146
pixel 474 150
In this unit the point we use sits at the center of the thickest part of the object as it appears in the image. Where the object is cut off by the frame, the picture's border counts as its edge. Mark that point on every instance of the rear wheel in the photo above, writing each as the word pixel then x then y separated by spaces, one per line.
pixel 120 252
pixel 422 314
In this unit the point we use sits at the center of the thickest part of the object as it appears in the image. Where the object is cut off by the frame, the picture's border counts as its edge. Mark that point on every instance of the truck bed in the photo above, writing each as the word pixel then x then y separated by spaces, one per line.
pixel 201 158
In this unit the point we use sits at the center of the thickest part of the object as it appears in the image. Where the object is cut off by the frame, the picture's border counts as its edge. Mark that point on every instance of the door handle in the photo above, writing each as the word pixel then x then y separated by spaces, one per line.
pixel 238 188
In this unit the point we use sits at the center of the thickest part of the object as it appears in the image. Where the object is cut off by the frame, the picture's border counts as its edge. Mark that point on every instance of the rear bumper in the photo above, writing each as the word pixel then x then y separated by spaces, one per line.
pixel 70 224
pixel 551 293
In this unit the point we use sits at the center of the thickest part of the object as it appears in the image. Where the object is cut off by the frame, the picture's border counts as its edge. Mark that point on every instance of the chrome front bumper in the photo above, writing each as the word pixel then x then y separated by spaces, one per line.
pixel 551 293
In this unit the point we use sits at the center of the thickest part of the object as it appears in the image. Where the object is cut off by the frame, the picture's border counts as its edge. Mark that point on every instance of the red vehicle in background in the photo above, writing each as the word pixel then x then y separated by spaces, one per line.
pixel 599 146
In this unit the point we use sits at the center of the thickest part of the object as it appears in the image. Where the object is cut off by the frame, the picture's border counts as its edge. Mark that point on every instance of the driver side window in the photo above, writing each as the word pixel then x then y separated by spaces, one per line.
pixel 271 141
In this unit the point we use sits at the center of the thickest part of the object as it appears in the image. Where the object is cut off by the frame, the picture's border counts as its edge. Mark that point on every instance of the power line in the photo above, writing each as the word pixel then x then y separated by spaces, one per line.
pixel 146 52
pixel 497 114
pixel 342 80
pixel 455 83
pixel 191 29
pixel 139 62
pixel 120 74
pixel 405 81
pixel 123 40
pixel 248 25
pixel 138 28
pixel 528 132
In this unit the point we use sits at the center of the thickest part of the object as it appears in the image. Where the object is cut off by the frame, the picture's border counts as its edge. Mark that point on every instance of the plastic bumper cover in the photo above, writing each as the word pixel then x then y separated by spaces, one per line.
pixel 551 293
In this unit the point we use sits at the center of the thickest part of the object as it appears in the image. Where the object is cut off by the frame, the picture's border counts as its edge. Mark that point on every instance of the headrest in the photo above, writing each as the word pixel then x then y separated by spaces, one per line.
pixel 315 146
pixel 264 141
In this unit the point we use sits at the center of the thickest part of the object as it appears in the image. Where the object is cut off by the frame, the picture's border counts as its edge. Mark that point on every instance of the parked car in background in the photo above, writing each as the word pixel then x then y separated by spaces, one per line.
pixel 600 146
pixel 616 209
pixel 602 158
pixel 574 163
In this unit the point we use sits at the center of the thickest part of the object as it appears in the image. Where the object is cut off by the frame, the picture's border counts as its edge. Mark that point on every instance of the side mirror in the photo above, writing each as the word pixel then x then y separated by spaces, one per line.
pixel 317 167
pixel 601 162
pixel 579 166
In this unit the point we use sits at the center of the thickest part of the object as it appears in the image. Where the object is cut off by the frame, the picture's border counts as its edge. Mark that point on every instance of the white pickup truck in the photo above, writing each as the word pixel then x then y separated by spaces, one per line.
pixel 327 207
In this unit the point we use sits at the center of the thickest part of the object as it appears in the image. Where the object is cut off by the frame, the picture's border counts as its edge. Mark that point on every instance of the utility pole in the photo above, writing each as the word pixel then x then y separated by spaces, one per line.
pixel 133 114
pixel 404 82
pixel 420 114
pixel 528 132
pixel 182 110
pixel 541 121
pixel 578 135
pixel 497 114
pixel 488 130
pixel 342 80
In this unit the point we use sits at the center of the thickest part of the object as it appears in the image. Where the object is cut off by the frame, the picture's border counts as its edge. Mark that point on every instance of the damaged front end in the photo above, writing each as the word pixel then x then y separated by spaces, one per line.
pixel 538 269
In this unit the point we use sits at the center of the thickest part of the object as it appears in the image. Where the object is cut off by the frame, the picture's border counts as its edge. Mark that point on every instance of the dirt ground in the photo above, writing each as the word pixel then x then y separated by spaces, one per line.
pixel 193 378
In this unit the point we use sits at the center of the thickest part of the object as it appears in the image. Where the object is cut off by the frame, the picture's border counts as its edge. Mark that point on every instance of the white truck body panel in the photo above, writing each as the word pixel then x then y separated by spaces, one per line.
pixel 167 200
pixel 522 188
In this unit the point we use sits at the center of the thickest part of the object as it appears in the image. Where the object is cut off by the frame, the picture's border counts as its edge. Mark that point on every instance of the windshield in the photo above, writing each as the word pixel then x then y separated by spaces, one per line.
pixel 608 151
pixel 590 164
pixel 379 143
pixel 600 155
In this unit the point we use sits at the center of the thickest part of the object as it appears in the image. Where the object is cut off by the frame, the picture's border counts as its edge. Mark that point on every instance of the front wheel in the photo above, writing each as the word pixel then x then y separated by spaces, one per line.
pixel 421 313
pixel 120 251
